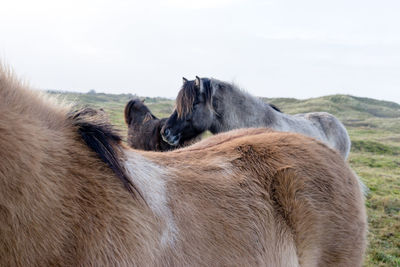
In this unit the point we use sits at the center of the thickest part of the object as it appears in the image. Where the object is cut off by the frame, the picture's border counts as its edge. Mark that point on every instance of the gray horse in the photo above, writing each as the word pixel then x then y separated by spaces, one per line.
pixel 209 104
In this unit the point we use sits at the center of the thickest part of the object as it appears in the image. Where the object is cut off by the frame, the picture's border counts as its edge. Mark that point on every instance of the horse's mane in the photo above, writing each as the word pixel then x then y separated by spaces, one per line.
pixel 187 96
pixel 185 99
pixel 127 111
pixel 275 107
pixel 102 138
pixel 236 88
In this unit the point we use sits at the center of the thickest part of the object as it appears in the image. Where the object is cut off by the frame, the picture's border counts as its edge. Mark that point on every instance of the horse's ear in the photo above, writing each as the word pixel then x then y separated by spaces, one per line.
pixel 144 99
pixel 197 82
pixel 184 80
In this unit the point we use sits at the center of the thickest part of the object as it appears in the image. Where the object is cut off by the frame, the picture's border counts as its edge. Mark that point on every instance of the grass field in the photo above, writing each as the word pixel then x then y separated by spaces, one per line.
pixel 374 128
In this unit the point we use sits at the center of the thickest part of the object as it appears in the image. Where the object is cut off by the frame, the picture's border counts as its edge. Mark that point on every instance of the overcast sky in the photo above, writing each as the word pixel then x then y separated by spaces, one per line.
pixel 272 48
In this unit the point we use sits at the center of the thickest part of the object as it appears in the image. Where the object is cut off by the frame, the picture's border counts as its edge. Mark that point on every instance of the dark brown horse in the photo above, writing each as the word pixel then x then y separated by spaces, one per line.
pixel 144 128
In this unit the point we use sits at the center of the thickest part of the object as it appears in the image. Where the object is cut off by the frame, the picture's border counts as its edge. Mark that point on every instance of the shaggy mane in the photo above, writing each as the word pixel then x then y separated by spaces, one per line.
pixel 103 139
pixel 185 99
pixel 127 111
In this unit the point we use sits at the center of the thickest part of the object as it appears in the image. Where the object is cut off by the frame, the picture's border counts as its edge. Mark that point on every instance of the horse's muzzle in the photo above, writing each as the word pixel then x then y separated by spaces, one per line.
pixel 172 140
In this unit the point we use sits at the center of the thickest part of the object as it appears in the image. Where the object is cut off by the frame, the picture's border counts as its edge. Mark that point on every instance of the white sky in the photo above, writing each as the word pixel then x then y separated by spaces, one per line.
pixel 272 48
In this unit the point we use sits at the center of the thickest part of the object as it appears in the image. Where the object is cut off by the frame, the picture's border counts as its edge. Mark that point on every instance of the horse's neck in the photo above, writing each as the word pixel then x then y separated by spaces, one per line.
pixel 136 126
pixel 140 124
pixel 238 109
pixel 34 107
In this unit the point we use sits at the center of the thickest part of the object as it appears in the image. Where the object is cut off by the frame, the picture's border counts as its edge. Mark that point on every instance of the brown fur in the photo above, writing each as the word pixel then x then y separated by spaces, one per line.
pixel 243 198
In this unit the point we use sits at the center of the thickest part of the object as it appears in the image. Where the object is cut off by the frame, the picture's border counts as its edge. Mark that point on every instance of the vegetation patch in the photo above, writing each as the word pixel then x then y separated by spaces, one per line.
pixel 374 147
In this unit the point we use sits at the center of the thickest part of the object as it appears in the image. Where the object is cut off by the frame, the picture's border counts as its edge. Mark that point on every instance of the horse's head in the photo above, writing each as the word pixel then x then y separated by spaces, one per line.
pixel 136 112
pixel 193 114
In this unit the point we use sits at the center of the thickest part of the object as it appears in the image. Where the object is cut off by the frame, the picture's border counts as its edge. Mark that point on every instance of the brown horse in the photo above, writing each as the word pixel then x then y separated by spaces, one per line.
pixel 144 128
pixel 72 195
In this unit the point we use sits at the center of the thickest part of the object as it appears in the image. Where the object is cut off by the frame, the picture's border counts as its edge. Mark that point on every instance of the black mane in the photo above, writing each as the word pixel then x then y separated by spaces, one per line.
pixel 100 136
pixel 275 107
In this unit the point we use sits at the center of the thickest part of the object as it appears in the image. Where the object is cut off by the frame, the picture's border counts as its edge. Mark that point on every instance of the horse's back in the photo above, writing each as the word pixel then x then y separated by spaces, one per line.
pixel 333 131
pixel 316 195
pixel 299 195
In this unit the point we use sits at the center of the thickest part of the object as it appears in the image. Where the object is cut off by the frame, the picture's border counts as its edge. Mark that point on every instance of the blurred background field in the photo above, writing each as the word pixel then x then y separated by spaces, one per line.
pixel 374 128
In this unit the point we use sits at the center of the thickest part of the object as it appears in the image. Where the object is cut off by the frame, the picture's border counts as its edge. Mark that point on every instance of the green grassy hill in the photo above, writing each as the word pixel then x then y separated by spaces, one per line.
pixel 344 106
pixel 374 128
